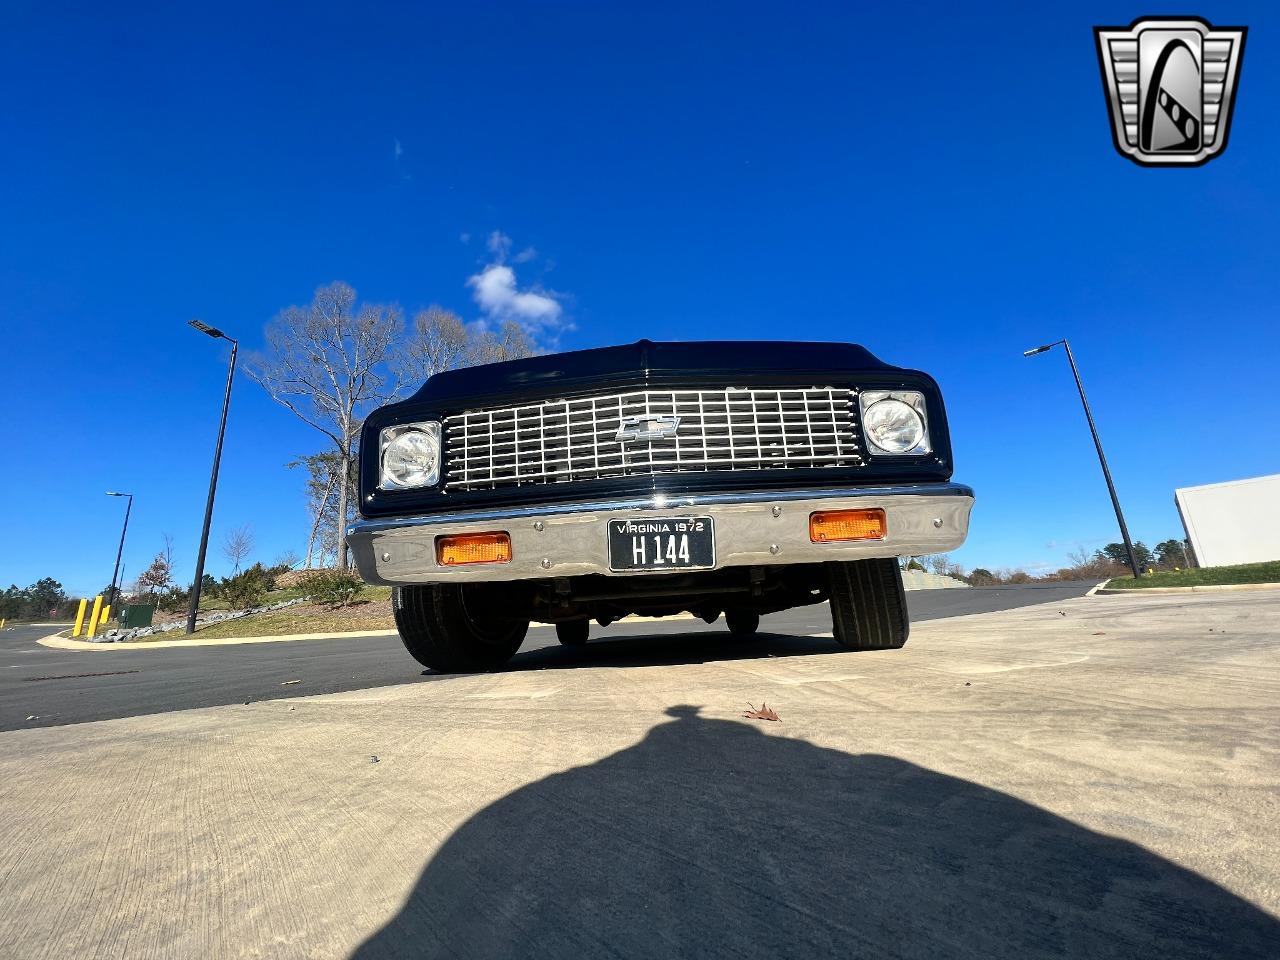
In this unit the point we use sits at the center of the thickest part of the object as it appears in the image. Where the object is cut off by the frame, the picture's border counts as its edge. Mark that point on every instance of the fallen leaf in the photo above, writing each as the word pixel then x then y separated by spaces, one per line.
pixel 1100 633
pixel 764 713
pixel 288 683
pixel 1061 614
pixel 33 717
pixel 373 758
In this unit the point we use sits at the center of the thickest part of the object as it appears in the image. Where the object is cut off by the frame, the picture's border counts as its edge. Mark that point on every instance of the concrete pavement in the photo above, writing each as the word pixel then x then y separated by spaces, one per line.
pixel 1093 777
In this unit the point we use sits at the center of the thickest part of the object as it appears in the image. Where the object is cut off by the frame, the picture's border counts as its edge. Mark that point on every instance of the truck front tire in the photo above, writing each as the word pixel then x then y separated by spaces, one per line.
pixel 868 605
pixel 450 628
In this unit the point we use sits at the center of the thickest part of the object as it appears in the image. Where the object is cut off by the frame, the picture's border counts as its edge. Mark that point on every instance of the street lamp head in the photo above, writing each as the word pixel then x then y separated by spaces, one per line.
pixel 112 493
pixel 1035 350
pixel 208 330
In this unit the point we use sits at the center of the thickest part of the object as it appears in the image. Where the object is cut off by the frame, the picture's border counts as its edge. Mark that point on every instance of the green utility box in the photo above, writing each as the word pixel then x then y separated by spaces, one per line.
pixel 136 615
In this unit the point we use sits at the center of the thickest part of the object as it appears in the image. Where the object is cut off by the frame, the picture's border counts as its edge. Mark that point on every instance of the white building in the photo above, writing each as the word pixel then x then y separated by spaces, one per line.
pixel 1233 522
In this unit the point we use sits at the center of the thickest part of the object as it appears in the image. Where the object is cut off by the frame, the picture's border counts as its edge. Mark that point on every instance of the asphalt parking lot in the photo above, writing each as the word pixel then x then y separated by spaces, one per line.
pixel 42 687
pixel 1092 777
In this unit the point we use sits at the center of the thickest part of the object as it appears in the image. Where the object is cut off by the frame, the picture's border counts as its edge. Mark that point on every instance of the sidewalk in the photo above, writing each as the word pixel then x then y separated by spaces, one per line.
pixel 1100 770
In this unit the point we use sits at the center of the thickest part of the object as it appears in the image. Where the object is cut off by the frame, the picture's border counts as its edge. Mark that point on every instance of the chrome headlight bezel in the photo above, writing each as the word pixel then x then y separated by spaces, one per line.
pixel 913 399
pixel 387 438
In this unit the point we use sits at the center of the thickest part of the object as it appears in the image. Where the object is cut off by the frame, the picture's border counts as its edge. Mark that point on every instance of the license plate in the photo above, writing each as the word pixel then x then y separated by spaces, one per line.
pixel 664 543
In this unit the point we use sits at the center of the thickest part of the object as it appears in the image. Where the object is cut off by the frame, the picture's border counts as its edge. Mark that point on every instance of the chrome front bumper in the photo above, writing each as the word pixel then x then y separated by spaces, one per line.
pixel 751 529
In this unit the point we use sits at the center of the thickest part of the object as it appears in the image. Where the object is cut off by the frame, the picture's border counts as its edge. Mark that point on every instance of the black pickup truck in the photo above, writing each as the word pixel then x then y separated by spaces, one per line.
pixel 726 478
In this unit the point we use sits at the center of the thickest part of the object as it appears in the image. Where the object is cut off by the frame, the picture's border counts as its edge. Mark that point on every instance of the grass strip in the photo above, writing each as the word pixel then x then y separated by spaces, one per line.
pixel 1268 572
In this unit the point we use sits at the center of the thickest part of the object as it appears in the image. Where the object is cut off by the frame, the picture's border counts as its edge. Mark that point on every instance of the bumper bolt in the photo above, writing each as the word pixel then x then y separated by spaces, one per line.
pixel 937 521
pixel 386 556
pixel 539 525
pixel 777 511
pixel 546 563
pixel 774 549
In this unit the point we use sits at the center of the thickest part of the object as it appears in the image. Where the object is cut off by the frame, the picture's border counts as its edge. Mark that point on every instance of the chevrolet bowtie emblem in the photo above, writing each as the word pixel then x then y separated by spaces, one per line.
pixel 1170 84
pixel 647 427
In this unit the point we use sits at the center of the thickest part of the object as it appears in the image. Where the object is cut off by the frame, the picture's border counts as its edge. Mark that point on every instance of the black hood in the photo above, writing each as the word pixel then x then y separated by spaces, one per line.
pixel 646 360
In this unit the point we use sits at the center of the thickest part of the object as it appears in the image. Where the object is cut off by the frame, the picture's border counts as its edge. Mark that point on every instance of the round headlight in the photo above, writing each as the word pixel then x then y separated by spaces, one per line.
pixel 412 459
pixel 893 426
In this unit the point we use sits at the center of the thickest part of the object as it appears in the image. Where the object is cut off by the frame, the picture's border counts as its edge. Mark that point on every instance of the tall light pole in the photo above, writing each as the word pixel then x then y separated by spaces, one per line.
pixel 111 597
pixel 194 606
pixel 1102 458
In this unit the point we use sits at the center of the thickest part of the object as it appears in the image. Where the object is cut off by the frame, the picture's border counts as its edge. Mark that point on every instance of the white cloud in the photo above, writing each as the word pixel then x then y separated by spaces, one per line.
pixel 397 154
pixel 499 245
pixel 499 296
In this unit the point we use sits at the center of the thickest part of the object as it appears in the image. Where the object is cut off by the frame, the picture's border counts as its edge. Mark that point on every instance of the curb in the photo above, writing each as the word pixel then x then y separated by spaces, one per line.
pixel 58 642
pixel 1100 588
pixel 66 643
pixel 1207 588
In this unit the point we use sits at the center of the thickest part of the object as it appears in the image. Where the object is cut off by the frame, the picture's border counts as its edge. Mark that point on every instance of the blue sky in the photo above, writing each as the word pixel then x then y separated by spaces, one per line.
pixel 937 183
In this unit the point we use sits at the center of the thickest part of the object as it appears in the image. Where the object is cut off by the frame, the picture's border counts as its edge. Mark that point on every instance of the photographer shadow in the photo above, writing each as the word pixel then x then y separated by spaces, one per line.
pixel 712 838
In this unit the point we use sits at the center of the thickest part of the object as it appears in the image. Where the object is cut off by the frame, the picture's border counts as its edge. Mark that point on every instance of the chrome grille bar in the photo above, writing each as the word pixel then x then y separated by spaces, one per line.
pixel 559 441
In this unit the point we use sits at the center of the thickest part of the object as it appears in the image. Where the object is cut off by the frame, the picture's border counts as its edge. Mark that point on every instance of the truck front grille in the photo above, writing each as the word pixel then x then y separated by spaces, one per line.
pixel 559 441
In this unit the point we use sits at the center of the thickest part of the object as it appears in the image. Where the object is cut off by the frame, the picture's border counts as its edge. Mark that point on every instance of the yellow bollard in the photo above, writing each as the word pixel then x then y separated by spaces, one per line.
pixel 106 615
pixel 80 618
pixel 93 617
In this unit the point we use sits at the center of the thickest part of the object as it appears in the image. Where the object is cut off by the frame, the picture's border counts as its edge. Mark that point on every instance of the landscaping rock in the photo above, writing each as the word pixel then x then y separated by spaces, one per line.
pixel 216 616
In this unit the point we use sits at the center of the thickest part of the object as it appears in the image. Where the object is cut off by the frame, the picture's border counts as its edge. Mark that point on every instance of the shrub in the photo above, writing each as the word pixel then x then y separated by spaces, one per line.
pixel 247 588
pixel 336 588
pixel 982 577
pixel 1091 569
pixel 278 569
pixel 173 600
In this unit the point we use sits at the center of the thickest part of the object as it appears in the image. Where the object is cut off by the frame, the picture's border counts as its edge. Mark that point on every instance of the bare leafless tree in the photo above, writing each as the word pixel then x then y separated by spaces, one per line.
pixel 288 558
pixel 237 545
pixel 942 565
pixel 509 342
pixel 323 479
pixel 328 363
pixel 438 341
pixel 1079 557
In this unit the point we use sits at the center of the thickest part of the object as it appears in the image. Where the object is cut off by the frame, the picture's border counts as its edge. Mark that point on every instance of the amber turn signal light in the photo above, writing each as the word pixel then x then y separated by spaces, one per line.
pixel 836 525
pixel 462 548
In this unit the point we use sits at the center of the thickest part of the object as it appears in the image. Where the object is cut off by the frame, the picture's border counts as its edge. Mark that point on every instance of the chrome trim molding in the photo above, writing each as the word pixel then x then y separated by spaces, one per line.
pixel 752 528
pixel 659 502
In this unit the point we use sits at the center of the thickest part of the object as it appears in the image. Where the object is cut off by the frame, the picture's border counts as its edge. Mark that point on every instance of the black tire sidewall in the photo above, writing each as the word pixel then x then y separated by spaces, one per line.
pixel 440 631
pixel 868 604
